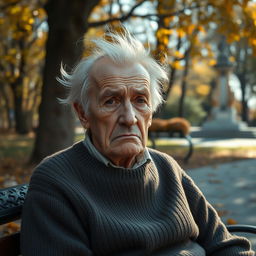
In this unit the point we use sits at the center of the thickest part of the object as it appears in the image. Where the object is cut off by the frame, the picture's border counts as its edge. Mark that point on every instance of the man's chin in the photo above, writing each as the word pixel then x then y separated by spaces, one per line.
pixel 128 149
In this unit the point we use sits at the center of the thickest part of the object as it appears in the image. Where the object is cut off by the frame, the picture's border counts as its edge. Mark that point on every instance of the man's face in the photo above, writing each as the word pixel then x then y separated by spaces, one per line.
pixel 120 110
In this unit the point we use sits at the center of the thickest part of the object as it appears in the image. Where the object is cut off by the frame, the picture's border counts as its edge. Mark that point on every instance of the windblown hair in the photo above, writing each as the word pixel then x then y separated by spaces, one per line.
pixel 121 49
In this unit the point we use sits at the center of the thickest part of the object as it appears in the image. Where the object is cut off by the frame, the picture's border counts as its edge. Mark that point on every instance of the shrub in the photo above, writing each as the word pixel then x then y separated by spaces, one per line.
pixel 193 109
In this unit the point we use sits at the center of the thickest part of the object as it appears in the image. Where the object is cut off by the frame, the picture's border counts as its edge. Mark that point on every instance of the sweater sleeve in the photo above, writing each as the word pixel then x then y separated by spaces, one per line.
pixel 213 235
pixel 50 225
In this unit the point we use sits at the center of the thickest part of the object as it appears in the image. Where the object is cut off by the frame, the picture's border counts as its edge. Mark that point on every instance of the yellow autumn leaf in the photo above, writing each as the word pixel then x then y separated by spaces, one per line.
pixel 202 29
pixel 168 31
pixel 12 51
pixel 232 59
pixel 41 12
pixel 11 227
pixel 168 20
pixel 1 21
pixel 8 74
pixel 176 65
pixel 165 40
pixel 7 57
pixel 159 33
pixel 28 27
pixel 178 54
pixel 253 41
pixel 203 89
pixel 180 32
pixel 163 32
pixel 191 28
pixel 212 62
pixel 253 14
pixel 233 37
pixel 15 9
pixel 31 21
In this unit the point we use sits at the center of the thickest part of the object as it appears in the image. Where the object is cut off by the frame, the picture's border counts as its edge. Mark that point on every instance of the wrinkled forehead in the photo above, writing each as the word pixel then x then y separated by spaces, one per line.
pixel 105 69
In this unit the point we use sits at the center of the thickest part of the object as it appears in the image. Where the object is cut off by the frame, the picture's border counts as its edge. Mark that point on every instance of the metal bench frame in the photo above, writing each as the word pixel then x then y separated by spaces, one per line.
pixel 153 135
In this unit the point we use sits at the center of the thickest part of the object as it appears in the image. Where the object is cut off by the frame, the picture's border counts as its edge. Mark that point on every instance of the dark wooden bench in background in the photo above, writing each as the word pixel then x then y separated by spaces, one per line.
pixel 176 127
pixel 11 202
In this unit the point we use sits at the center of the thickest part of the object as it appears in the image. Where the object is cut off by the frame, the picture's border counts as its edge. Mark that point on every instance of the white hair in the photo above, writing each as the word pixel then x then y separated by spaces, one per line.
pixel 121 49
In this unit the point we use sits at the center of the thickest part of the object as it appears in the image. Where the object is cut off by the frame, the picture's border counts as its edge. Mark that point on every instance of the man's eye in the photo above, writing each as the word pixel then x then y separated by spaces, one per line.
pixel 111 101
pixel 141 100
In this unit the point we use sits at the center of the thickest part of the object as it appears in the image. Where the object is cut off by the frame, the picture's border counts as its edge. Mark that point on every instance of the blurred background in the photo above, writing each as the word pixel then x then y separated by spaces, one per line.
pixel 209 47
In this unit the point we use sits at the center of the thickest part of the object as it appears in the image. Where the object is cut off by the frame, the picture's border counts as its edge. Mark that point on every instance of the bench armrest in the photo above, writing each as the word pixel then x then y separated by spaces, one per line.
pixel 11 202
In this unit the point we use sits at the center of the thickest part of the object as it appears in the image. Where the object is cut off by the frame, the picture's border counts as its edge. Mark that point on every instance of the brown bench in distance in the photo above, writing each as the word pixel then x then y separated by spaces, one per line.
pixel 11 202
pixel 173 127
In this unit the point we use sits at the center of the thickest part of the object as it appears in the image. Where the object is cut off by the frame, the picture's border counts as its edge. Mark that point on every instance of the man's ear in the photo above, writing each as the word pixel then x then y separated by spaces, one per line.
pixel 81 114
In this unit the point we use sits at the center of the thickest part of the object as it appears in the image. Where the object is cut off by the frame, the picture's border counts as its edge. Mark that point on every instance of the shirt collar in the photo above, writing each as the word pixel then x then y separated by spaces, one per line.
pixel 145 157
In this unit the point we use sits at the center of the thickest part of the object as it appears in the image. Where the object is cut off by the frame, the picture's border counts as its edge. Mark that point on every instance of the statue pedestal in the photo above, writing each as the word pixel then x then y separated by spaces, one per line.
pixel 223 120
pixel 224 124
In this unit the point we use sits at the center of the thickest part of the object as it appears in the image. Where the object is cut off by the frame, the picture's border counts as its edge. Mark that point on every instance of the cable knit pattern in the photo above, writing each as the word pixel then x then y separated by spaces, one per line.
pixel 78 206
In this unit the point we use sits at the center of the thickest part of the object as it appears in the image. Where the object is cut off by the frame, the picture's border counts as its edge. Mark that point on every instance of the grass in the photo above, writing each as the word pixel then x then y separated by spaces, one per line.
pixel 15 151
pixel 203 156
pixel 13 145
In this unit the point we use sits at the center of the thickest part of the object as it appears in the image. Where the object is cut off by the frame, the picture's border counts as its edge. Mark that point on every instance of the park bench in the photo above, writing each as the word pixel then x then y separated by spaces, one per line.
pixel 176 127
pixel 11 202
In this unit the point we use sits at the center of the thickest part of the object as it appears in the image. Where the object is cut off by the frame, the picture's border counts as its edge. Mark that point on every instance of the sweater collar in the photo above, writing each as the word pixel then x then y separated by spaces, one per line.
pixel 142 159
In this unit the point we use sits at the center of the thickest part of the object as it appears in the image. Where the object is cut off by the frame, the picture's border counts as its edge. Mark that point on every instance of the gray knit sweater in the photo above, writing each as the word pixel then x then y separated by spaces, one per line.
pixel 78 206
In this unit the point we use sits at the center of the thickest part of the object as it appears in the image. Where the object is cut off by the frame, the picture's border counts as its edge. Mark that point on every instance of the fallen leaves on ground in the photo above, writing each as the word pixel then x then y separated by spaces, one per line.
pixel 231 221
pixel 9 228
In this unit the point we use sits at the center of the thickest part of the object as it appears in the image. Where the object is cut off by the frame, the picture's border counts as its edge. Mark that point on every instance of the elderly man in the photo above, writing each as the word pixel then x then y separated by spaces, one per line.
pixel 110 194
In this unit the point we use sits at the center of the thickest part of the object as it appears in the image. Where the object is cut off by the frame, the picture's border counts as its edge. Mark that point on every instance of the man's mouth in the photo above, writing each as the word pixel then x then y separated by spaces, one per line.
pixel 127 136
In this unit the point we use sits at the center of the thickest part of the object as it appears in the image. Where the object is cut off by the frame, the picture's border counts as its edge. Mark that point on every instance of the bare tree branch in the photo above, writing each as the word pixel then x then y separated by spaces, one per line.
pixel 168 14
pixel 150 16
pixel 123 18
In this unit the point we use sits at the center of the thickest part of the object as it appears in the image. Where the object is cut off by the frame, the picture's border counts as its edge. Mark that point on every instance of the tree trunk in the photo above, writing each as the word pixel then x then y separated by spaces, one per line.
pixel 67 21
pixel 23 118
pixel 244 103
pixel 7 107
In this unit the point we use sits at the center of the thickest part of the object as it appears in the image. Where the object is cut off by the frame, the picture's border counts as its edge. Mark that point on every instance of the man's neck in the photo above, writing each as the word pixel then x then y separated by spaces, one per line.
pixel 134 163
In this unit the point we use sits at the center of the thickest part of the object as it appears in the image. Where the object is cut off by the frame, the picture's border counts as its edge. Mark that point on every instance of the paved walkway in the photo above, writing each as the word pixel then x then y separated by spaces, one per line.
pixel 230 143
pixel 231 189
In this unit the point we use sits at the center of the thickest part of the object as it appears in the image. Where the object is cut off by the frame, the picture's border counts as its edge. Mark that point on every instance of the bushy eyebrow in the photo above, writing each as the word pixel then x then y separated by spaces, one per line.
pixel 142 91
pixel 106 92
pixel 116 92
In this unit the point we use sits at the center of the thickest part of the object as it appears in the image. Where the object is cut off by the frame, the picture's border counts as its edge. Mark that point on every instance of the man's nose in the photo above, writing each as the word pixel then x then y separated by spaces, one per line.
pixel 128 115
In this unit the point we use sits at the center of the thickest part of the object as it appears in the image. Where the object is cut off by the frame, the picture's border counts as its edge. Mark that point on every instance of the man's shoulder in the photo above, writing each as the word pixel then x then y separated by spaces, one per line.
pixel 62 154
pixel 165 161
pixel 160 156
pixel 59 162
